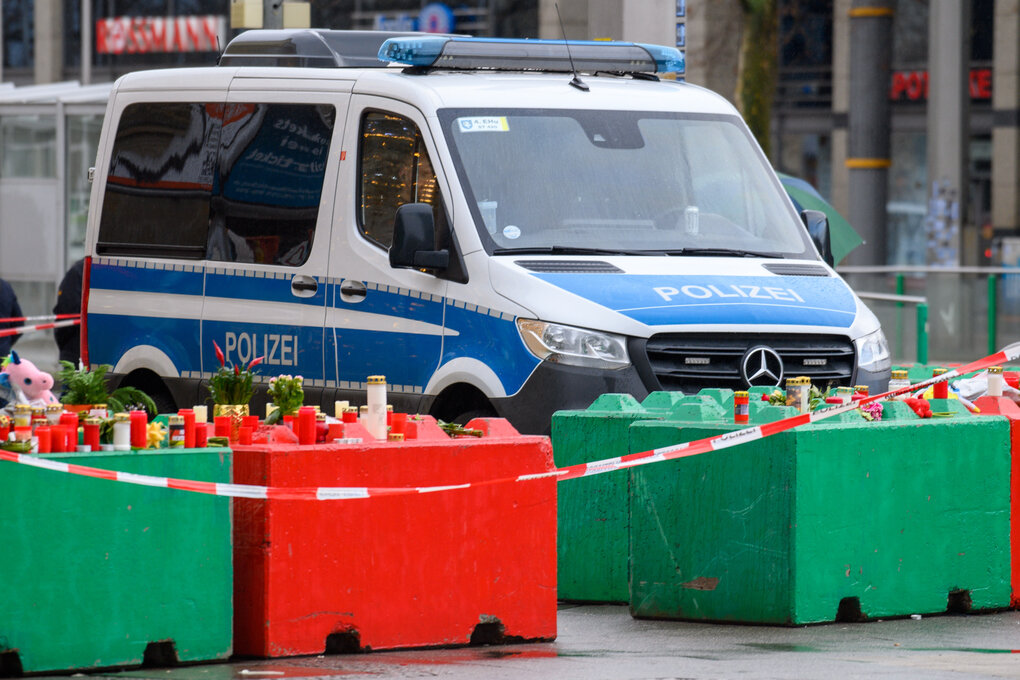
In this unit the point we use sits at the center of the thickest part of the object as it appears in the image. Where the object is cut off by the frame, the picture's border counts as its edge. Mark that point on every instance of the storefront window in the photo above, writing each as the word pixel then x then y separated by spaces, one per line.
pixel 908 199
pixel 809 156
pixel 29 145
pixel 17 19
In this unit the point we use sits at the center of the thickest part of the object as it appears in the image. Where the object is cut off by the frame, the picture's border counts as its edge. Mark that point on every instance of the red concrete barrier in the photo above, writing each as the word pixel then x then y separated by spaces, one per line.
pixel 444 568
pixel 1001 406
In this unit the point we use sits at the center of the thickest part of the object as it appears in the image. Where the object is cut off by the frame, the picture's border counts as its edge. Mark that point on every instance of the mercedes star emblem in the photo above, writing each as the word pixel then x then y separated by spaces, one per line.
pixel 762 366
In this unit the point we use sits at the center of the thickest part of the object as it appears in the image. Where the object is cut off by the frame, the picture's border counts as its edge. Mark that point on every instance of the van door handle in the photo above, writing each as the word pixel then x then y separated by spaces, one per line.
pixel 352 291
pixel 303 286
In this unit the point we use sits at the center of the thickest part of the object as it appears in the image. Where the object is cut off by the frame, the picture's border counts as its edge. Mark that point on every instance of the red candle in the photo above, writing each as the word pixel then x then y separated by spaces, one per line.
pixel 222 426
pixel 201 435
pixel 69 439
pixel 92 433
pixel 940 390
pixel 306 425
pixel 189 426
pixel 44 438
pixel 336 431
pixel 350 415
pixel 5 431
pixel 139 429
pixel 244 435
pixel 398 423
pixel 250 421
pixel 58 438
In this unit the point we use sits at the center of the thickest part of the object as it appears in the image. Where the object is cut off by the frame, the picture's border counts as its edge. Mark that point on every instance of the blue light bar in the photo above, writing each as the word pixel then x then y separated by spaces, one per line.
pixel 527 55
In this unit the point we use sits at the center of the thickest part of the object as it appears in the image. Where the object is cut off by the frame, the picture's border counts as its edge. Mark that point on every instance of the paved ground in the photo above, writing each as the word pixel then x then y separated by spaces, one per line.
pixel 605 642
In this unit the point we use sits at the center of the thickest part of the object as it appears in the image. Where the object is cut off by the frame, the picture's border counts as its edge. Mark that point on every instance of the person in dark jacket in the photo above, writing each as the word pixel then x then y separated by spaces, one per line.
pixel 69 302
pixel 9 308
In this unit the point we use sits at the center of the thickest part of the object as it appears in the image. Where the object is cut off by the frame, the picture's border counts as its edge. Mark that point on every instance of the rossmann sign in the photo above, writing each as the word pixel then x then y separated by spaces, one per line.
pixel 150 35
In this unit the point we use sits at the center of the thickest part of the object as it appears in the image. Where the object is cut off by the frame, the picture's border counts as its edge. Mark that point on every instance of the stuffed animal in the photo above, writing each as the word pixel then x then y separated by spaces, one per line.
pixel 21 375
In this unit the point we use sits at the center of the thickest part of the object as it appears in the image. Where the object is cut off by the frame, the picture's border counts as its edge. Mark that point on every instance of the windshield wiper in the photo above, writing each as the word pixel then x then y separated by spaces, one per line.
pixel 721 252
pixel 570 250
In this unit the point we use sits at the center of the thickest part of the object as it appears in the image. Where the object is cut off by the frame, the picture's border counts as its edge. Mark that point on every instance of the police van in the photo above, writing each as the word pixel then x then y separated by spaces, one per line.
pixel 499 227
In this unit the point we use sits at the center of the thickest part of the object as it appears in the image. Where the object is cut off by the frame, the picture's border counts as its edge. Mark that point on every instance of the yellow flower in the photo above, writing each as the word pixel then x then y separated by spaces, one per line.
pixel 155 435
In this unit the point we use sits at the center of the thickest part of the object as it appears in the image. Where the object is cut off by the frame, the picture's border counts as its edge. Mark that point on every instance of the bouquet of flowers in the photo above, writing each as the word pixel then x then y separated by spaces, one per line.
pixel 232 384
pixel 287 394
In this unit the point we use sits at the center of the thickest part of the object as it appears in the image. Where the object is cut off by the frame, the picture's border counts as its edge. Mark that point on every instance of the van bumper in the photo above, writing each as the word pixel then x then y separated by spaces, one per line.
pixel 877 381
pixel 555 387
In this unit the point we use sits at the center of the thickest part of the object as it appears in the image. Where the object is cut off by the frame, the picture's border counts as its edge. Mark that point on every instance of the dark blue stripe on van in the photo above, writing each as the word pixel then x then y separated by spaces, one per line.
pixel 111 277
pixel 237 286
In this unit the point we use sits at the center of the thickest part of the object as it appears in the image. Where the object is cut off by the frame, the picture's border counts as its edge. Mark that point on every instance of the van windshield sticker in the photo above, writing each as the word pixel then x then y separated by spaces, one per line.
pixel 483 124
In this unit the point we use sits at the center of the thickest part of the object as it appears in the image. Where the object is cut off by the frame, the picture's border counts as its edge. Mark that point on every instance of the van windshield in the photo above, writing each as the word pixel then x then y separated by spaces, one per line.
pixel 564 181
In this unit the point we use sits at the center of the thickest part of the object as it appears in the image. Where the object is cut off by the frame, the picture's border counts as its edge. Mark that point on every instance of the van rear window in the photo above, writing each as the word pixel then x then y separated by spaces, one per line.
pixel 160 182
pixel 236 183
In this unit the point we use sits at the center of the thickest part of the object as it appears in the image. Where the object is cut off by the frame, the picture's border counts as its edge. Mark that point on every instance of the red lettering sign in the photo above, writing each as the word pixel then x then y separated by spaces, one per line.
pixel 146 35
pixel 913 85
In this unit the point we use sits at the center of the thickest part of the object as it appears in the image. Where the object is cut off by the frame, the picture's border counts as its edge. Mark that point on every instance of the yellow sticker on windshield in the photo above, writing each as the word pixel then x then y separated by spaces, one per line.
pixel 483 124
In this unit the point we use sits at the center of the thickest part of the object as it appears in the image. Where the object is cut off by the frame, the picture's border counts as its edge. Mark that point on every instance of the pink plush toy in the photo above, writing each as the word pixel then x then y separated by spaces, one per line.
pixel 24 376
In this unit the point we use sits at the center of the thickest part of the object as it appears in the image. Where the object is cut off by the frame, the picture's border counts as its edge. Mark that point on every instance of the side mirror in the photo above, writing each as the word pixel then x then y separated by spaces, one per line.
pixel 818 228
pixel 414 239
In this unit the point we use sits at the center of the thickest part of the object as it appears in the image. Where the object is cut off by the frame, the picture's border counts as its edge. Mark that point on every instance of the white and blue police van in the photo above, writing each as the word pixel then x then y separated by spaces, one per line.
pixel 499 227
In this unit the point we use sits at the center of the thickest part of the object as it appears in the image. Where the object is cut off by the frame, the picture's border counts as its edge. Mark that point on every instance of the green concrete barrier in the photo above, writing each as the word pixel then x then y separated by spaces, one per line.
pixel 593 525
pixel 98 573
pixel 831 521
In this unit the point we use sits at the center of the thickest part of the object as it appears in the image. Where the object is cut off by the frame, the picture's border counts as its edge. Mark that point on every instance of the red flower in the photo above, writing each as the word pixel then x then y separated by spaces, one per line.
pixel 237 370
pixel 219 354
pixel 255 362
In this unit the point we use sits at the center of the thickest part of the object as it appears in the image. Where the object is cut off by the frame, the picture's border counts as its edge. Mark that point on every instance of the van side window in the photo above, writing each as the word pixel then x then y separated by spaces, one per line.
pixel 272 162
pixel 160 181
pixel 395 169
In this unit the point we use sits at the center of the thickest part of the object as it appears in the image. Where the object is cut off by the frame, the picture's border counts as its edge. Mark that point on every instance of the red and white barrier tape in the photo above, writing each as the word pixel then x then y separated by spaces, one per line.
pixel 325 493
pixel 45 317
pixel 39 327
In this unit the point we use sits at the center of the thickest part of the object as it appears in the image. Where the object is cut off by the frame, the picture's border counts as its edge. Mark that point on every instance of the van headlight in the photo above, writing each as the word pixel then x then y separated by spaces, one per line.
pixel 873 352
pixel 573 346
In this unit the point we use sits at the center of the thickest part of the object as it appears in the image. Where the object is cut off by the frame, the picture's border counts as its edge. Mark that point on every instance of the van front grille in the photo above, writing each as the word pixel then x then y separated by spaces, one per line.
pixel 688 362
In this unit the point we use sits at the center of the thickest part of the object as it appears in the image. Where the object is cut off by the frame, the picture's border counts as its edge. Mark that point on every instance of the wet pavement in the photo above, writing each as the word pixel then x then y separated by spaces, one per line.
pixel 605 642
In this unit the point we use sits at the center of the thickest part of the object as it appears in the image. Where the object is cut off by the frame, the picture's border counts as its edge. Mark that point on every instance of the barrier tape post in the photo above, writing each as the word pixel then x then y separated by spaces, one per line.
pixel 589 469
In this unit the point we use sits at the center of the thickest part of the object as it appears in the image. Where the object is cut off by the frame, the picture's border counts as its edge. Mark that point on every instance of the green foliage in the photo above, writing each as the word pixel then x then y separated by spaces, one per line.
pixel 287 395
pixel 84 386
pixel 232 386
pixel 455 430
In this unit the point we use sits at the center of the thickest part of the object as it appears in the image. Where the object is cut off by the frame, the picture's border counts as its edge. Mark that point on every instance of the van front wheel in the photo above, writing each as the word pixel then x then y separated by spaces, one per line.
pixel 467 416
pixel 460 403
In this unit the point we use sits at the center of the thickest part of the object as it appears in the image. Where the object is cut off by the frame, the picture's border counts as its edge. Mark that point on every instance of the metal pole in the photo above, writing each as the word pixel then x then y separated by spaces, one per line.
pixel 993 313
pixel 272 14
pixel 922 333
pixel 948 130
pixel 868 117
pixel 86 42
pixel 899 316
